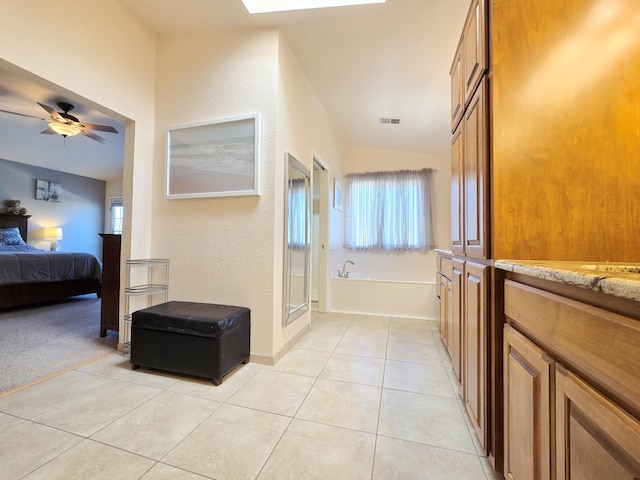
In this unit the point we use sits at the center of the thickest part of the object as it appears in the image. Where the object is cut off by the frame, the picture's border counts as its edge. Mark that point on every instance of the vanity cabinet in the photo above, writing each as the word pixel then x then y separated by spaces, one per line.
pixel 528 372
pixel 571 384
pixel 475 341
pixel 449 301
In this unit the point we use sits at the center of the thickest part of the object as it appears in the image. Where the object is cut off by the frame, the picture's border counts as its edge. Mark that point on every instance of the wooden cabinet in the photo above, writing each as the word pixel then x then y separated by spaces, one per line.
pixel 470 180
pixel 457 191
pixel 110 305
pixel 457 88
pixel 476 177
pixel 474 39
pixel 475 336
pixel 470 227
pixel 594 437
pixel 457 319
pixel 571 384
pixel 443 306
pixel 450 294
pixel 527 409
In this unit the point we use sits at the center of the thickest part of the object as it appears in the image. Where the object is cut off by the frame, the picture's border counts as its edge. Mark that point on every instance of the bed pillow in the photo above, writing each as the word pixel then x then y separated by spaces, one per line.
pixel 11 236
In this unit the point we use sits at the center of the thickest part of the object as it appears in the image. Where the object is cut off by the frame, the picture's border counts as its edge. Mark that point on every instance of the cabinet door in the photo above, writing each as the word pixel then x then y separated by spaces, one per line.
pixel 527 427
pixel 456 322
pixel 457 191
pixel 475 347
pixel 595 439
pixel 442 307
pixel 457 88
pixel 476 177
pixel 474 38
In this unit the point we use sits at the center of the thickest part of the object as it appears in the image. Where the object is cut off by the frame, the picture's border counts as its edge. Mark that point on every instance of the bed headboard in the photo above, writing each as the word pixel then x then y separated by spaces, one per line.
pixel 8 220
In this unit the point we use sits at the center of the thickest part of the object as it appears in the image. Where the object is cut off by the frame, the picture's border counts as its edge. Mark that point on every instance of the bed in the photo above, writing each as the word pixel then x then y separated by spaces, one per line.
pixel 29 275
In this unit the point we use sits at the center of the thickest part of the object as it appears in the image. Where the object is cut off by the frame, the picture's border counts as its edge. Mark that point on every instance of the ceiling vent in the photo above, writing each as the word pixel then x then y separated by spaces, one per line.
pixel 389 121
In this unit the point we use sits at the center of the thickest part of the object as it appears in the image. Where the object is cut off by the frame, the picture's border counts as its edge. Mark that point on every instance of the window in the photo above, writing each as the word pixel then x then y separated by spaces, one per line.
pixel 117 214
pixel 389 210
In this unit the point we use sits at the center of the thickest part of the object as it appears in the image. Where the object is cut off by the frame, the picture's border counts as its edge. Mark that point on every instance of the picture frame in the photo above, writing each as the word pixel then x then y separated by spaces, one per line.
pixel 220 158
pixel 48 191
pixel 337 194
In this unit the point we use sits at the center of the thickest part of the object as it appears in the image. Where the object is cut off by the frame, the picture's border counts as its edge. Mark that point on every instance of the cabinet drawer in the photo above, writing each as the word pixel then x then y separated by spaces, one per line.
pixel 600 345
pixel 446 267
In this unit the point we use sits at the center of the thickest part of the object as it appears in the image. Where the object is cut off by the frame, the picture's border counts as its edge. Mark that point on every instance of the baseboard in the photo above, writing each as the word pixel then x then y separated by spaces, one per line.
pixel 272 360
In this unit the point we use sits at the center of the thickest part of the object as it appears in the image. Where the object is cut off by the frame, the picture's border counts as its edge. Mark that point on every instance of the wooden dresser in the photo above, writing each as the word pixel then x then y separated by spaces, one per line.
pixel 110 309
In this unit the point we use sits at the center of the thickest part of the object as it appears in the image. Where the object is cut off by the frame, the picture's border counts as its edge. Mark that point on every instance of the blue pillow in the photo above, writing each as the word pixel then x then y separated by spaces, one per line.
pixel 11 236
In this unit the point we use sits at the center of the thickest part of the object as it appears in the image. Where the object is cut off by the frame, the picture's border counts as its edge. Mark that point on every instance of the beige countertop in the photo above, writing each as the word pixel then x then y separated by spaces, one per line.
pixel 617 279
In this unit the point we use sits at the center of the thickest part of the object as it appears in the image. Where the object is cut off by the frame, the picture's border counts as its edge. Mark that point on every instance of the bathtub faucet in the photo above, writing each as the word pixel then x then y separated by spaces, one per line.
pixel 344 273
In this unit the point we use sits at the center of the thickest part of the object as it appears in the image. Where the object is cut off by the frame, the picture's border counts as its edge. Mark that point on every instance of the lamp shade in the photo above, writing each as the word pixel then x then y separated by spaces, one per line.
pixel 53 233
pixel 65 129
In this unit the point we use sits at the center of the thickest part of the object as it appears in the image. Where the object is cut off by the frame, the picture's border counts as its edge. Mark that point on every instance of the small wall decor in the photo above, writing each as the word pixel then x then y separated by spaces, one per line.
pixel 48 191
pixel 214 159
pixel 337 195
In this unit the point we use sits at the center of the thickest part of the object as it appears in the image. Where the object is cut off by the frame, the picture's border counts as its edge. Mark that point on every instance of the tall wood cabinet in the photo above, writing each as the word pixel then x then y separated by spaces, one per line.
pixel 110 305
pixel 471 272
pixel 535 173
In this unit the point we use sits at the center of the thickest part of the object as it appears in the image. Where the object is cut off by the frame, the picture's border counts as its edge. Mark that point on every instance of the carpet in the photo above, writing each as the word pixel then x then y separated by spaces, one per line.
pixel 36 342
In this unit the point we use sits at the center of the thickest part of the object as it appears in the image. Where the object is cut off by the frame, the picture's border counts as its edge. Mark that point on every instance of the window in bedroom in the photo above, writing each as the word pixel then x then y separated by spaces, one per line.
pixel 117 214
pixel 389 210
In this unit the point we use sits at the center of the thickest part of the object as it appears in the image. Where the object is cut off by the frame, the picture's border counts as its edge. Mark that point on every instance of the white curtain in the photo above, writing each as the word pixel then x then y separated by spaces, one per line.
pixel 297 232
pixel 389 210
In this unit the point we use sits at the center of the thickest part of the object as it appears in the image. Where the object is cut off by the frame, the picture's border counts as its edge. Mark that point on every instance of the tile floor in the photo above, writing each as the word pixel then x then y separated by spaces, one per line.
pixel 358 397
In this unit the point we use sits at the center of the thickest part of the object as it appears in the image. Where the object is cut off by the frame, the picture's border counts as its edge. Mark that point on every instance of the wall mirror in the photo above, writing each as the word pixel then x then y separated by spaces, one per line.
pixel 297 239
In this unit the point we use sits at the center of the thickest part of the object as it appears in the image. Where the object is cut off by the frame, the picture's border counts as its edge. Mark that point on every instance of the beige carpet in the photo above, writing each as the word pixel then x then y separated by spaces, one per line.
pixel 40 341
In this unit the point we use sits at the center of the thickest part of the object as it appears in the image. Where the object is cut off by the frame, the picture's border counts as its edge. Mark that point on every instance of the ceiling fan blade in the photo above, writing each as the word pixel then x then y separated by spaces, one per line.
pixel 93 136
pixel 55 115
pixel 101 128
pixel 48 131
pixel 22 114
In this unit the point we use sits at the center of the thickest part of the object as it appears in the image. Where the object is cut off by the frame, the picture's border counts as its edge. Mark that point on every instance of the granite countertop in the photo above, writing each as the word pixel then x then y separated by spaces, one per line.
pixel 618 279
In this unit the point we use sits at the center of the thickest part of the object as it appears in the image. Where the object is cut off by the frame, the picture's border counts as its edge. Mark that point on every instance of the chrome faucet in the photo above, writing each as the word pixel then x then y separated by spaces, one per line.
pixel 345 274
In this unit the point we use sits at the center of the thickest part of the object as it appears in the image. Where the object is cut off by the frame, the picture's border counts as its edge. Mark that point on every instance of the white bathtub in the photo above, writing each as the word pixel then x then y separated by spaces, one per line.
pixel 393 297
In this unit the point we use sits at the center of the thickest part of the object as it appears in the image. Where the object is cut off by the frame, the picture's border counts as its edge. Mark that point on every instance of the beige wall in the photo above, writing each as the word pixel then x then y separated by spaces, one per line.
pixel 304 130
pixel 221 249
pixel 407 264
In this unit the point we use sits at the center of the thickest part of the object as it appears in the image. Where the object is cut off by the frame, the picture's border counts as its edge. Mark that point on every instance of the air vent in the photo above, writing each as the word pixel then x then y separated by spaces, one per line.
pixel 389 121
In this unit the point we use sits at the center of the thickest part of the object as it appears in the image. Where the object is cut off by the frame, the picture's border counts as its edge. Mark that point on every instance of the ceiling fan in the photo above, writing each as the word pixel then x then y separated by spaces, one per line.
pixel 66 124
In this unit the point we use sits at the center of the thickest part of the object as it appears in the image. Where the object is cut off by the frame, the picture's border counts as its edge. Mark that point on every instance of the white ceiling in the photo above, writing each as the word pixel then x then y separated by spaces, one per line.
pixel 364 62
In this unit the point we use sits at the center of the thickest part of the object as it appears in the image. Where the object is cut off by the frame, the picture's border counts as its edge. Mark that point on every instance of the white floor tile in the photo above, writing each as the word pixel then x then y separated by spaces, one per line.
pixel 273 391
pixel 313 451
pixel 156 426
pixel 342 404
pixel 427 419
pixel 233 443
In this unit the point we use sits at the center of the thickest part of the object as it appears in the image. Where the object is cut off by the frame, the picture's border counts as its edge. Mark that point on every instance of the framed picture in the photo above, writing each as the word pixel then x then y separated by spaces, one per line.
pixel 214 159
pixel 337 195
pixel 48 191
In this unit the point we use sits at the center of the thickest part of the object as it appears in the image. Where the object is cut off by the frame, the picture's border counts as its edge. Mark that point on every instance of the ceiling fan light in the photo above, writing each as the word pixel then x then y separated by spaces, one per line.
pixel 65 129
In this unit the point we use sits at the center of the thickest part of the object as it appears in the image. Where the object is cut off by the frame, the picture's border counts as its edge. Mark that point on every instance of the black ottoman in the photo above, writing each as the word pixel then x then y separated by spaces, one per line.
pixel 199 339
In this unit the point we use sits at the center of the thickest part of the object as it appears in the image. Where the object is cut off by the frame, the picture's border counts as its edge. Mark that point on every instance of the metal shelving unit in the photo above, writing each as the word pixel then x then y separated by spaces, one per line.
pixel 147 284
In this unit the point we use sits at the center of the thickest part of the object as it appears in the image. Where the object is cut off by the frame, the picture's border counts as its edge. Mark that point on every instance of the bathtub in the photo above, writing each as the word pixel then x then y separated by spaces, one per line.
pixel 383 296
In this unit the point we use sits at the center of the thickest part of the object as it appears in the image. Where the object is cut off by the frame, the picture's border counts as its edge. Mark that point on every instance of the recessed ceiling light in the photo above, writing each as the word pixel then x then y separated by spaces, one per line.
pixel 267 6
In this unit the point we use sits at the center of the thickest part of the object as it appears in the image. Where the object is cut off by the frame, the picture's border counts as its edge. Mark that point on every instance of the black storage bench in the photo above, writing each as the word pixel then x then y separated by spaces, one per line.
pixel 199 339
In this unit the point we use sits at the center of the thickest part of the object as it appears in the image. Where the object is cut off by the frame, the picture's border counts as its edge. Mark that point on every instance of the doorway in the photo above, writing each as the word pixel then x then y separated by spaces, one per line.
pixel 319 234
